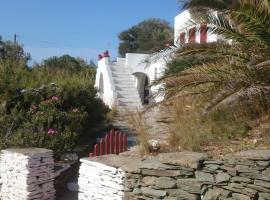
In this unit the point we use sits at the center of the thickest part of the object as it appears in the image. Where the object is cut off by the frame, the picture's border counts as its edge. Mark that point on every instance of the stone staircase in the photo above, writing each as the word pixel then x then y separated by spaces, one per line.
pixel 127 94
pixel 128 99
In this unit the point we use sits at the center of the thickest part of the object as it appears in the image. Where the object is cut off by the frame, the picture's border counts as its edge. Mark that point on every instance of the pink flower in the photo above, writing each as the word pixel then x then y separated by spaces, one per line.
pixel 52 131
pixel 55 98
pixel 75 110
pixel 34 107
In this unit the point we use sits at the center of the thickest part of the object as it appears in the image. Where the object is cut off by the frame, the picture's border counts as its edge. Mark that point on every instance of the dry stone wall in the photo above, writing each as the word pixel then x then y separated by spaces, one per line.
pixel 27 174
pixel 185 175
pixel 98 181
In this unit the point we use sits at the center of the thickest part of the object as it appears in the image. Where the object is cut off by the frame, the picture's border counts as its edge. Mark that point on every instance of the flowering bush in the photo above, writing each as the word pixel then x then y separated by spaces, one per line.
pixel 39 118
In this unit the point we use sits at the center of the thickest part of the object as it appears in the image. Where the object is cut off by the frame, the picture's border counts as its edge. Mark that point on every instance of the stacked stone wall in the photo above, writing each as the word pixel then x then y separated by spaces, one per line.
pixel 27 174
pixel 191 176
pixel 98 181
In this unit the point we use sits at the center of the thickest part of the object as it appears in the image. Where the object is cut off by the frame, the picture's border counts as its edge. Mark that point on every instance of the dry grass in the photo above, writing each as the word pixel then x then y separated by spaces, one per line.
pixel 185 128
pixel 136 121
pixel 224 130
pixel 111 114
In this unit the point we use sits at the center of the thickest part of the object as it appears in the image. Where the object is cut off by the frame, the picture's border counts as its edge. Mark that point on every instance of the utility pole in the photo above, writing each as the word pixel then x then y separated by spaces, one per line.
pixel 15 38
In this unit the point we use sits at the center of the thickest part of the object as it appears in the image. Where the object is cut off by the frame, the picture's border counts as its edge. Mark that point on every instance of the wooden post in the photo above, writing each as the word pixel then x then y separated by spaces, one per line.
pixel 96 150
pixel 117 143
pixel 101 147
pixel 91 155
pixel 192 35
pixel 112 142
pixel 203 33
pixel 107 142
pixel 182 38
pixel 121 136
pixel 125 142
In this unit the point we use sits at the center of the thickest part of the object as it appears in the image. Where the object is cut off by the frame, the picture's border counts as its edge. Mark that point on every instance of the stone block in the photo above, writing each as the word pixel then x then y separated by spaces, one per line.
pixel 190 185
pixel 149 180
pixel 165 183
pixel 149 192
pixel 181 194
pixel 222 177
pixel 204 177
pixel 27 173
pixel 168 173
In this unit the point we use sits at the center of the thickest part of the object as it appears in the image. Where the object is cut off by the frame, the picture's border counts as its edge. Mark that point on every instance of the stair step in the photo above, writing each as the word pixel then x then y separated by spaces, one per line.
pixel 124 79
pixel 125 88
pixel 123 72
pixel 128 96
pixel 119 82
pixel 126 100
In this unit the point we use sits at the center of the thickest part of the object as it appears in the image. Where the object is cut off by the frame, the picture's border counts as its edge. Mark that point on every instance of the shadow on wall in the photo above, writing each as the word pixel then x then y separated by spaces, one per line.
pixel 101 86
pixel 142 85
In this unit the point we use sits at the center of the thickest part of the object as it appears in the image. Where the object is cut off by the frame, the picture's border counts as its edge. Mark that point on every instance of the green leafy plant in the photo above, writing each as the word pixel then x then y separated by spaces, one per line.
pixel 38 118
pixel 229 78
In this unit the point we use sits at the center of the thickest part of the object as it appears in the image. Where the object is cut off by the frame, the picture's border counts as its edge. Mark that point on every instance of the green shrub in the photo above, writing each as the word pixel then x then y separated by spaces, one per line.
pixel 38 118
pixel 52 105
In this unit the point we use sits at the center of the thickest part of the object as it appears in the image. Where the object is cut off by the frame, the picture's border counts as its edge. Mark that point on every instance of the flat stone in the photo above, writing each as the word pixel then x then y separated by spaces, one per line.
pixel 249 169
pixel 153 193
pixel 154 163
pixel 186 173
pixel 257 188
pixel 165 183
pixel 239 179
pixel 190 185
pixel 252 155
pixel 171 198
pixel 127 163
pixel 181 194
pixel 212 166
pixel 204 177
pixel 263 163
pixel 262 183
pixel 185 159
pixel 239 188
pixel 31 152
pixel 131 183
pixel 266 172
pixel 215 194
pixel 240 196
pixel 154 172
pixel 137 191
pixel 217 162
pixel 264 195
pixel 230 170
pixel 255 176
pixel 149 180
pixel 222 177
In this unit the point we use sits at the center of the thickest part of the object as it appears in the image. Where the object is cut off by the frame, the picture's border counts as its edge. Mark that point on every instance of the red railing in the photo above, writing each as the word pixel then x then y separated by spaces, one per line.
pixel 114 142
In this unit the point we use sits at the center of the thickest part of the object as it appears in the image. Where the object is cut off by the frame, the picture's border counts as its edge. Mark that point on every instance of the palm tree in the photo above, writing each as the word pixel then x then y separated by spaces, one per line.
pixel 236 68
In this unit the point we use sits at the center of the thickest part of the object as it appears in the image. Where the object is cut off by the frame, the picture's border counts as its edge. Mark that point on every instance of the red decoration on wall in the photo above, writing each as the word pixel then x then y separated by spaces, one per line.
pixel 106 54
pixel 182 38
pixel 100 56
pixel 203 33
pixel 192 35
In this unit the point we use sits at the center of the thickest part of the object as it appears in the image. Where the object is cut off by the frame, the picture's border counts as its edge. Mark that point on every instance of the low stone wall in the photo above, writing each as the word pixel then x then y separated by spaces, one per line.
pixel 27 174
pixel 98 181
pixel 184 175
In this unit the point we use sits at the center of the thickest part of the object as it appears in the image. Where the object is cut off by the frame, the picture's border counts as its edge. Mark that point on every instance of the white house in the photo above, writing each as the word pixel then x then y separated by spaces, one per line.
pixel 125 82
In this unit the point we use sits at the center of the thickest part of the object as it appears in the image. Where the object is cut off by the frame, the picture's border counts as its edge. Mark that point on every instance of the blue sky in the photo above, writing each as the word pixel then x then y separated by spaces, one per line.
pixel 82 28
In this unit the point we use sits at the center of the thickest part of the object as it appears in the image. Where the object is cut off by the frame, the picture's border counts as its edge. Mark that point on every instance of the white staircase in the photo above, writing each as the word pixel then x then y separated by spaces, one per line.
pixel 126 92
pixel 127 99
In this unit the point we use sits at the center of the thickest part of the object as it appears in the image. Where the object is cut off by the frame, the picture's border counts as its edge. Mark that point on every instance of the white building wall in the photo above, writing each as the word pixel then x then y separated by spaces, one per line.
pixel 108 95
pixel 181 22
pixel 137 66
